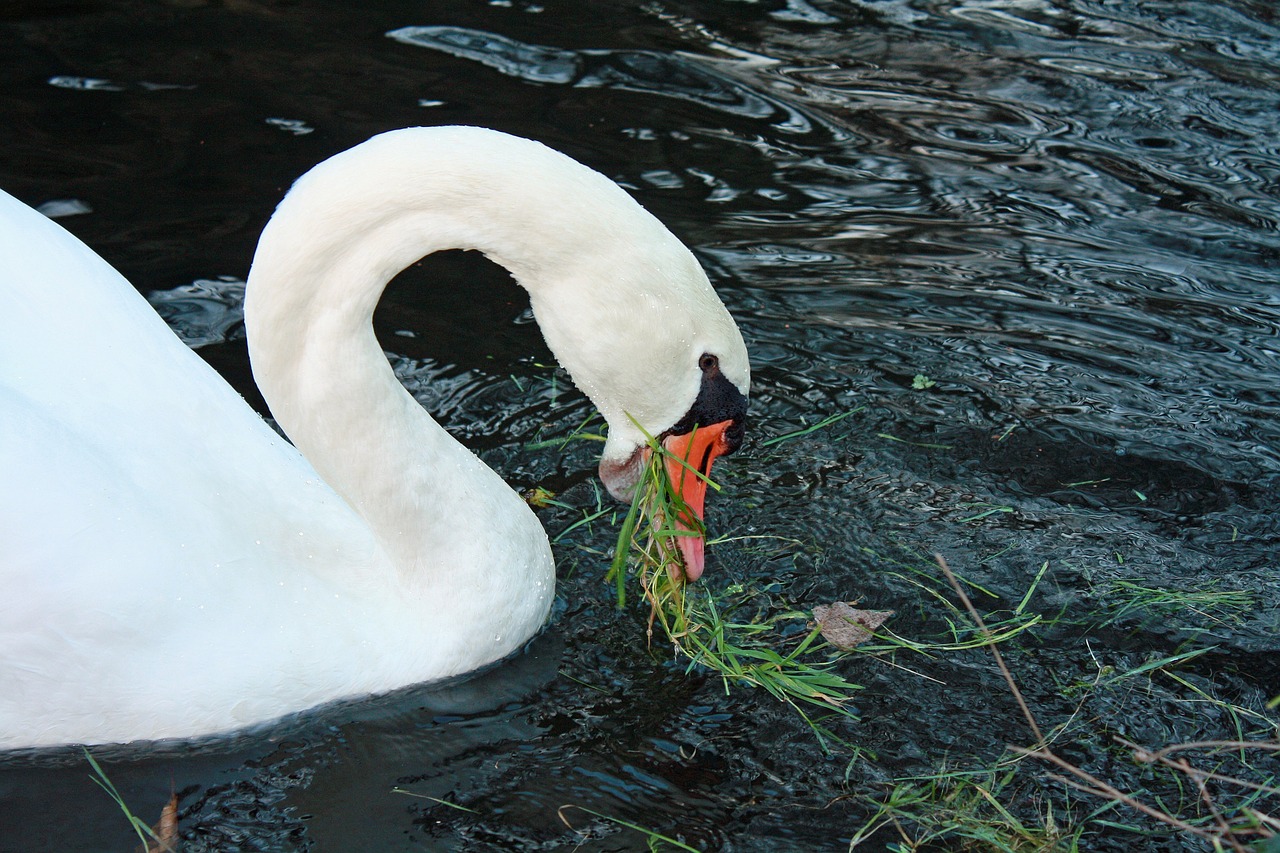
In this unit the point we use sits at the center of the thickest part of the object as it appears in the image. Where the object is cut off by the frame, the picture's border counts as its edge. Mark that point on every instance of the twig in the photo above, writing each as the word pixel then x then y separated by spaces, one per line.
pixel 1098 788
pixel 1156 755
pixel 986 633
pixel 1147 756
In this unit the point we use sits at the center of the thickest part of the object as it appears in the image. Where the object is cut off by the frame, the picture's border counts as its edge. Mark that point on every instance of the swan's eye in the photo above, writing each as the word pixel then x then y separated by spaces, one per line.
pixel 708 362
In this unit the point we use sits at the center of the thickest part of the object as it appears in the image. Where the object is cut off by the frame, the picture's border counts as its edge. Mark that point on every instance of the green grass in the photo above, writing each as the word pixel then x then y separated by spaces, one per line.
pixel 1207 600
pixel 971 810
pixel 822 424
pixel 957 631
pixel 150 840
pixel 1226 793
pixel 436 800
pixel 725 632
pixel 1220 791
pixel 656 841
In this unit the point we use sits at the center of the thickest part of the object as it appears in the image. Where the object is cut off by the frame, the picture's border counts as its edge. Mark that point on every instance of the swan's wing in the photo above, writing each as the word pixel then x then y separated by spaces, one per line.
pixel 121 449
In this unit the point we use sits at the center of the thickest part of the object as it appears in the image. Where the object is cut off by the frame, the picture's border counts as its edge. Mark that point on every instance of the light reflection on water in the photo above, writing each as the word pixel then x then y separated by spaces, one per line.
pixel 1008 216
pixel 1065 215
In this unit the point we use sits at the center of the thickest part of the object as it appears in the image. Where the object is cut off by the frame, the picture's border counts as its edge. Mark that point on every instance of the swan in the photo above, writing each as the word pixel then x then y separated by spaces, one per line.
pixel 173 568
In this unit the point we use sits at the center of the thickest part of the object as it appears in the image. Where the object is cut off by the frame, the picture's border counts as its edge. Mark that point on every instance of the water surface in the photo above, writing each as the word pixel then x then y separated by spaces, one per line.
pixel 1063 215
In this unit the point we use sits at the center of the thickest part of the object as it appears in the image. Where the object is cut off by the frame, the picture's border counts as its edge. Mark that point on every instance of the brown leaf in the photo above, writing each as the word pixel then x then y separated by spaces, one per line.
pixel 166 831
pixel 845 626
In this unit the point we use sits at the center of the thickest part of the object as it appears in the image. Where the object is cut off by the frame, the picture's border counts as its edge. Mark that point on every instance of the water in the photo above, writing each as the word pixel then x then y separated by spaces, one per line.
pixel 1063 214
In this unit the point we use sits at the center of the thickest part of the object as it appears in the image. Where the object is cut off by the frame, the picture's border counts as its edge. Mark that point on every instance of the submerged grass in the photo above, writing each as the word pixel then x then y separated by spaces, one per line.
pixel 1224 793
pixel 1225 796
pixel 970 810
pixel 960 631
pixel 822 424
pixel 724 632
pixel 656 841
pixel 1208 600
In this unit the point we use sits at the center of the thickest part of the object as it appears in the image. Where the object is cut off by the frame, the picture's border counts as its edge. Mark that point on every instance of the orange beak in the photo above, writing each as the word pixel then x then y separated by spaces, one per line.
pixel 698 449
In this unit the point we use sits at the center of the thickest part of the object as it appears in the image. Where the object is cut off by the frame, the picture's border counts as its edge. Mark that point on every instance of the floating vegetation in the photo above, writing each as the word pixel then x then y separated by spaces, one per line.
pixel 654 840
pixel 1207 600
pixel 161 838
pixel 727 632
pixel 1220 792
pixel 822 424
pixel 971 808
pixel 1229 792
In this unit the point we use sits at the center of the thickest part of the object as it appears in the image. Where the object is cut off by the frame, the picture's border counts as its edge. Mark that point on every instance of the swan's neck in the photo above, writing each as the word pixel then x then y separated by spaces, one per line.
pixel 337 239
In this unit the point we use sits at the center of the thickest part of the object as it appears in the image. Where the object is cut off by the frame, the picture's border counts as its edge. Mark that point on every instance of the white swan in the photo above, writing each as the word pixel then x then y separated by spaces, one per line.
pixel 171 568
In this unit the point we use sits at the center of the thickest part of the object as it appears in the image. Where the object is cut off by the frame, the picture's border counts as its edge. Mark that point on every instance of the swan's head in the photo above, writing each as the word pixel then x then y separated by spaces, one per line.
pixel 713 426
pixel 648 340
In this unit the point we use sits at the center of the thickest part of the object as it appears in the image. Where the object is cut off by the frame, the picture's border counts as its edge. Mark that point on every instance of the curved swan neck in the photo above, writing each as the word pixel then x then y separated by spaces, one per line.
pixel 354 221
pixel 351 224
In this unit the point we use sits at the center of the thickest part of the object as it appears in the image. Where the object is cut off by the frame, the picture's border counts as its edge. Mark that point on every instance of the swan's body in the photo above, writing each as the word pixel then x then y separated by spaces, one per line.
pixel 170 567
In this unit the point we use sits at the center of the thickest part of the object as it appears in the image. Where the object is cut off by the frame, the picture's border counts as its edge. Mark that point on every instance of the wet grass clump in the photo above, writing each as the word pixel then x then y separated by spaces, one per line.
pixel 1221 792
pixel 726 632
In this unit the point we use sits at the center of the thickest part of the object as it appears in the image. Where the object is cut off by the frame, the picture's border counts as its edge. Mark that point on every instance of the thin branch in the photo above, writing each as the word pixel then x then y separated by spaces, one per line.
pixel 1094 785
pixel 1203 787
pixel 986 633
pixel 1147 756
pixel 1156 755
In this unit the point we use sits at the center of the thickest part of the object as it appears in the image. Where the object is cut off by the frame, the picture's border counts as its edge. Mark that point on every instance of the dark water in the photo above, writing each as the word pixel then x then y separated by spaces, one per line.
pixel 1064 214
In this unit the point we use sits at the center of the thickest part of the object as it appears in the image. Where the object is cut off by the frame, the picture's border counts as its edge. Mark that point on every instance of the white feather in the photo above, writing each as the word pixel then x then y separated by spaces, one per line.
pixel 172 568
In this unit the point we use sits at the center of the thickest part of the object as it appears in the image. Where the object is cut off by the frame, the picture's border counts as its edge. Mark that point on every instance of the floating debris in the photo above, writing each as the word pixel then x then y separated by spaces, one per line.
pixel 60 207
pixel 847 627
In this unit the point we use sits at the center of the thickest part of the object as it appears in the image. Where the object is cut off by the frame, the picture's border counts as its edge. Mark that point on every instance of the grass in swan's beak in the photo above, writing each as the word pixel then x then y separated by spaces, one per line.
pixel 705 627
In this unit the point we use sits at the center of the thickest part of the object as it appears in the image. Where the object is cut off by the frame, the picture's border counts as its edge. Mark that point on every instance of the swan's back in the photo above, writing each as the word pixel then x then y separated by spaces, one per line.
pixel 107 412
pixel 137 486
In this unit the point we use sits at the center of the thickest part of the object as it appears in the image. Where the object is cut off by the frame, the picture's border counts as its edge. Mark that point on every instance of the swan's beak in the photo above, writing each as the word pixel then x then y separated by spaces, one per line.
pixel 698 450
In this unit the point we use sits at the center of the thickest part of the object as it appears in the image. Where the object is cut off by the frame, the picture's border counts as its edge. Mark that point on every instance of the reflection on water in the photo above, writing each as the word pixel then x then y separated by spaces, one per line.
pixel 1064 214
pixel 650 72
pixel 1092 227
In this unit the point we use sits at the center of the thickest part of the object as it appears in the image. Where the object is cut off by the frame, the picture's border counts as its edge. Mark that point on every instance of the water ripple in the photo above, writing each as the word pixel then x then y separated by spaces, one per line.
pixel 1064 213
pixel 668 75
pixel 1079 225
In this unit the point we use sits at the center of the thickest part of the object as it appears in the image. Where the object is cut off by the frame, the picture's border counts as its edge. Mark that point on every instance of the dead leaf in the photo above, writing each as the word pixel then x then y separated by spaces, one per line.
pixel 166 831
pixel 846 627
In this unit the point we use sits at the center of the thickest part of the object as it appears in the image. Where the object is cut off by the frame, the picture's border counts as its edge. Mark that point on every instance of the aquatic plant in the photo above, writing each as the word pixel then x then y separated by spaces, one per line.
pixel 974 807
pixel 1207 599
pixel 654 840
pixel 971 808
pixel 1030 797
pixel 702 626
pixel 161 838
